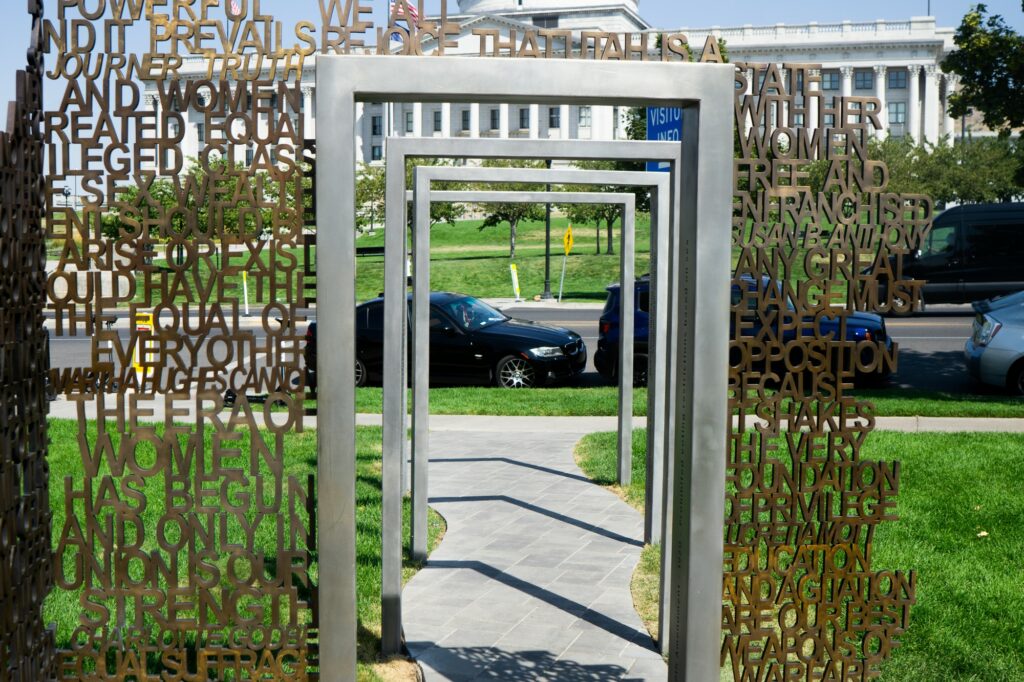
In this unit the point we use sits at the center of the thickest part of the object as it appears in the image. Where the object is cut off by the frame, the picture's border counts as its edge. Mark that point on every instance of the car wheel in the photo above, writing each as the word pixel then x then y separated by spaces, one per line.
pixel 361 374
pixel 1015 379
pixel 515 372
pixel 640 371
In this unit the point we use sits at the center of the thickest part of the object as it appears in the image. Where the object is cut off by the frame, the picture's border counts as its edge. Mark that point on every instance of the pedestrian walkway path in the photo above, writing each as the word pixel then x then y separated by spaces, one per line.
pixel 532 580
pixel 66 409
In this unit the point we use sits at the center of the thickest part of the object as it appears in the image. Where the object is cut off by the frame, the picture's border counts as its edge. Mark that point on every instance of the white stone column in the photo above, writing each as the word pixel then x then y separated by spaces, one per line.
pixel 417 120
pixel 361 155
pixel 932 105
pixel 446 119
pixel 812 92
pixel 950 122
pixel 534 121
pixel 914 103
pixel 563 119
pixel 503 122
pixel 847 73
pixel 883 110
pixel 308 121
pixel 474 120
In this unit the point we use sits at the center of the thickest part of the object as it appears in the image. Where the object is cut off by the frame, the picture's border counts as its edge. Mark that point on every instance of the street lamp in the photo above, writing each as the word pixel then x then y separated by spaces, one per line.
pixel 546 294
pixel 67 193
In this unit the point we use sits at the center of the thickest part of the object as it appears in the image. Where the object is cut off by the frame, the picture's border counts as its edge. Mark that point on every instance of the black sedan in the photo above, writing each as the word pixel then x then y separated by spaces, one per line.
pixel 470 342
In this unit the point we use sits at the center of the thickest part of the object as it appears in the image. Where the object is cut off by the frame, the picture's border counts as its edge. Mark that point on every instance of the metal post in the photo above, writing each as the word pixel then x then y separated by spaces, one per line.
pixel 626 305
pixel 561 282
pixel 546 294
pixel 420 365
pixel 395 330
pixel 657 334
pixel 336 434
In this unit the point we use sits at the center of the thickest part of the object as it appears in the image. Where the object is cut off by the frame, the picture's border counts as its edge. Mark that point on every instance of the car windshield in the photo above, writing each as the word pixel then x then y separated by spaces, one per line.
pixel 470 313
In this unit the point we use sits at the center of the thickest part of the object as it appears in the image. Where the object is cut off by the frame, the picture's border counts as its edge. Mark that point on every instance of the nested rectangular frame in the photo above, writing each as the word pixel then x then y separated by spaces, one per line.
pixel 424 197
pixel 402 148
pixel 658 183
pixel 704 200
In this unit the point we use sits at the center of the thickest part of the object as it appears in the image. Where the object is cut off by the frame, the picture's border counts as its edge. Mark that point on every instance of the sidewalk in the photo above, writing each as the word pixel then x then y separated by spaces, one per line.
pixel 532 579
pixel 64 409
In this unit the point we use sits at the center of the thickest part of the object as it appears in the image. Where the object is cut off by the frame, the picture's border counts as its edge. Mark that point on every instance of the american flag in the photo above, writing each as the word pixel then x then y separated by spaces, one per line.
pixel 405 9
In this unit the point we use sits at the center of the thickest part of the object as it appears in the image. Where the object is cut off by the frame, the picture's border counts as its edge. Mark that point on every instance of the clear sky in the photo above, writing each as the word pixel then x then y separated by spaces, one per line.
pixel 667 14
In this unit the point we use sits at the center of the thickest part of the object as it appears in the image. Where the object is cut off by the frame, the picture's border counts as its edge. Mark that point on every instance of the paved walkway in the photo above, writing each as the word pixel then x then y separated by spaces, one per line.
pixel 65 409
pixel 532 579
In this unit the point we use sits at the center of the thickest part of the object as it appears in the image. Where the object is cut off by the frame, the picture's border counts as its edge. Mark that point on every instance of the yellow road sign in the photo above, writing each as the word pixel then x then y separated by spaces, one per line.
pixel 567 240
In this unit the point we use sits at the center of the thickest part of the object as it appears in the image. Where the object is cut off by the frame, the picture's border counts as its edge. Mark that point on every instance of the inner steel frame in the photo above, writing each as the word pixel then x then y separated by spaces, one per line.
pixel 703 203
pixel 422 198
pixel 400 149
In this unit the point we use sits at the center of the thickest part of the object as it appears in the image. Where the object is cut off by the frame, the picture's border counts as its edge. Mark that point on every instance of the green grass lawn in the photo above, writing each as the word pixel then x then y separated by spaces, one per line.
pixel 960 505
pixel 603 401
pixel 62 607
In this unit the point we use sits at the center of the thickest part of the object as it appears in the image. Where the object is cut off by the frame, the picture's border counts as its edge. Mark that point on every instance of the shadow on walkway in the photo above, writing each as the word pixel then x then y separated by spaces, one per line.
pixel 514 462
pixel 490 663
pixel 595 618
pixel 597 530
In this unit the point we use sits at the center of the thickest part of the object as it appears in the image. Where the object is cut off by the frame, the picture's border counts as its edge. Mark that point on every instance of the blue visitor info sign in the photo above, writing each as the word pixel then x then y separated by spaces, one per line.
pixel 664 124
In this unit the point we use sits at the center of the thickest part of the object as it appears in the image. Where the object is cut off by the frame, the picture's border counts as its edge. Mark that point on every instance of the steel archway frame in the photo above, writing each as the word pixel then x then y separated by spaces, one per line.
pixel 705 92
pixel 422 197
pixel 403 148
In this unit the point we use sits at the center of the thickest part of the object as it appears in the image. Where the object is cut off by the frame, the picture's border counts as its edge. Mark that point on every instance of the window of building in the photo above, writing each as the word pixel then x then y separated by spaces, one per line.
pixel 524 119
pixel 863 79
pixel 830 120
pixel 585 117
pixel 898 80
pixel 546 21
pixel 377 125
pixel 437 121
pixel 615 123
pixel 273 155
pixel 466 119
pixel 554 117
pixel 201 132
pixel 376 152
pixel 829 80
pixel 409 122
pixel 495 119
pixel 249 152
pixel 897 112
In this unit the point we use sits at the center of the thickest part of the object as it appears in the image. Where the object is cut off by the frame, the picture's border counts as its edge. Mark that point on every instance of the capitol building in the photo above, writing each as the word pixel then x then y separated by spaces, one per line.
pixel 895 61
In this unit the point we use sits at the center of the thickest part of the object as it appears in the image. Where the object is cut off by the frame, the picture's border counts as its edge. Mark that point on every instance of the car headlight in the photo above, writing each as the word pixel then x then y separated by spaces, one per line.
pixel 988 331
pixel 547 352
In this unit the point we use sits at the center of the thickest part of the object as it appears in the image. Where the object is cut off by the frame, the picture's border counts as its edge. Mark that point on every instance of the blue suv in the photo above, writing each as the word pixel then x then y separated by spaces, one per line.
pixel 874 357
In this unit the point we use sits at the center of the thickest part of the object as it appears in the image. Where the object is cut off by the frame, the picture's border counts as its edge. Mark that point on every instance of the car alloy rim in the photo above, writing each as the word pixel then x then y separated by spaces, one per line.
pixel 359 372
pixel 516 373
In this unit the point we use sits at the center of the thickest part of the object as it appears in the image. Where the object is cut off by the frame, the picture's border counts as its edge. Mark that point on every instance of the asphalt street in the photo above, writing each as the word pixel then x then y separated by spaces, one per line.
pixel 931 344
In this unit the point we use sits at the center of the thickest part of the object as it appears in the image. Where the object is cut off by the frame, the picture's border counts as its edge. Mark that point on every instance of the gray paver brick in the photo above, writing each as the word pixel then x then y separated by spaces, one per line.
pixel 532 579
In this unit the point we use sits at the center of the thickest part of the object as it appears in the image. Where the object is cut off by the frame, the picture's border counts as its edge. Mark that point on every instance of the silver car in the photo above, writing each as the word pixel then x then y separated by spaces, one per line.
pixel 995 351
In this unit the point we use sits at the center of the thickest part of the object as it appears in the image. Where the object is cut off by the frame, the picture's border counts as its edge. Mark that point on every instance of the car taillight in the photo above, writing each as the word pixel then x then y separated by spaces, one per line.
pixel 606 327
pixel 988 331
pixel 868 336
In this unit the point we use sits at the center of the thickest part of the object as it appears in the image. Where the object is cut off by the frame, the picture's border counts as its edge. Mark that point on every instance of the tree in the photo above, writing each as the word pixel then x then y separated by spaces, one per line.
pixel 990 63
pixel 975 170
pixel 369 197
pixel 598 213
pixel 371 188
pixel 512 214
